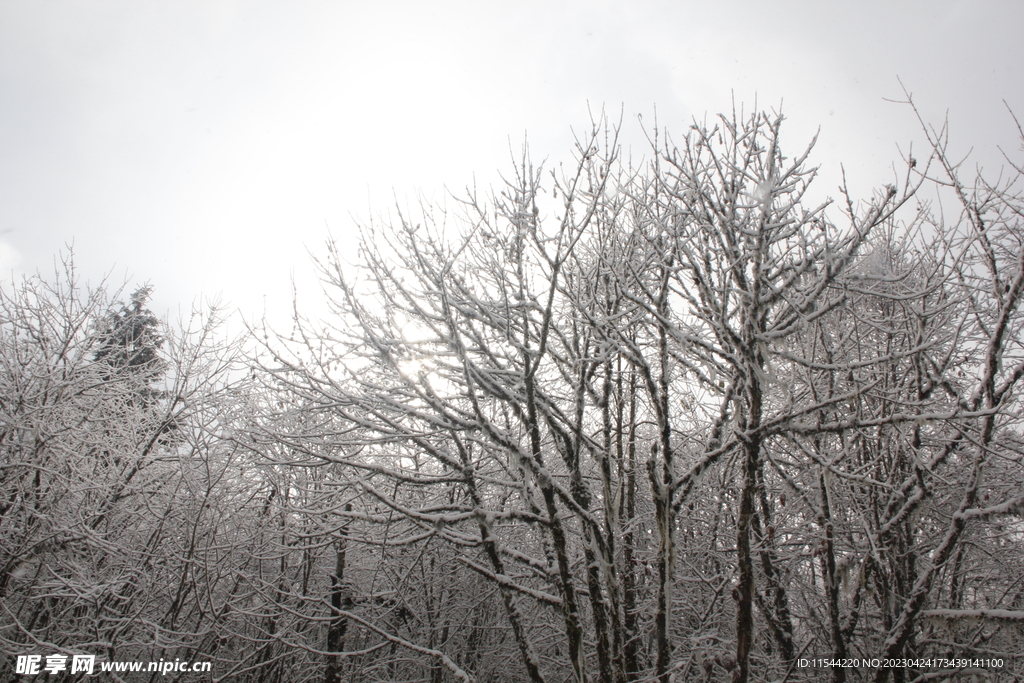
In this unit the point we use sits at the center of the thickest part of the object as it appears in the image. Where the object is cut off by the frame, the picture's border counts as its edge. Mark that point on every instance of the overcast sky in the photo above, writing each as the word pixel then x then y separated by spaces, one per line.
pixel 204 147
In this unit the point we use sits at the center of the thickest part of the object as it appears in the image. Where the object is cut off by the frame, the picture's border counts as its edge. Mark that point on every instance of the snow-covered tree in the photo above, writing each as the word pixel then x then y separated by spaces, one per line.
pixel 678 420
pixel 607 424
pixel 102 512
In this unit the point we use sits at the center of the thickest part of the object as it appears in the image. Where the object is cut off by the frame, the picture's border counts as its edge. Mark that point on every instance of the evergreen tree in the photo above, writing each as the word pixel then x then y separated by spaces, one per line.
pixel 130 342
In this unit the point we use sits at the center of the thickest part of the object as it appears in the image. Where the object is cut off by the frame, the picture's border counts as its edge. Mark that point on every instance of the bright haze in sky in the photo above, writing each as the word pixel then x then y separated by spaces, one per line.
pixel 209 147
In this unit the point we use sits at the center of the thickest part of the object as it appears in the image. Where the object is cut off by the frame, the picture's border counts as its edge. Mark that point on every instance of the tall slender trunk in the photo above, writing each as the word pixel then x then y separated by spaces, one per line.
pixel 627 456
pixel 612 527
pixel 341 599
pixel 744 593
pixel 487 539
pixel 777 611
pixel 828 570
pixel 661 488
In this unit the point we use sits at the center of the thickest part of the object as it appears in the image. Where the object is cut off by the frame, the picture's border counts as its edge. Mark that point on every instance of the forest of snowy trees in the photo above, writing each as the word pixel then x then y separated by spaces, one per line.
pixel 688 421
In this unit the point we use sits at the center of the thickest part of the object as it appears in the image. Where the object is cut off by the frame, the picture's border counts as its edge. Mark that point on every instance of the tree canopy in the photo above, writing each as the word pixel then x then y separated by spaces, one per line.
pixel 691 420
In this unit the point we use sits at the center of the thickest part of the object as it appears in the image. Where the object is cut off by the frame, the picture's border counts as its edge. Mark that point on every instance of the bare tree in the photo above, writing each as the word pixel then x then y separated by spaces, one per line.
pixel 493 394
pixel 106 417
pixel 607 424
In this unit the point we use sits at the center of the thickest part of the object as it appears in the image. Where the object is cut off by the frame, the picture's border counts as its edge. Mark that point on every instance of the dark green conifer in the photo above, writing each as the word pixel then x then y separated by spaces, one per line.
pixel 130 342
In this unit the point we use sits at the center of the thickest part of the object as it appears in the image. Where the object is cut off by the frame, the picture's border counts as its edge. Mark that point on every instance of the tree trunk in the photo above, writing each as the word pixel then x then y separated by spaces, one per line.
pixel 341 599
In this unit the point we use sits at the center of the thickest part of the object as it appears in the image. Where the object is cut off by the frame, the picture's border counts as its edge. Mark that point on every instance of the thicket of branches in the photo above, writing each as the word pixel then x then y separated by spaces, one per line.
pixel 676 422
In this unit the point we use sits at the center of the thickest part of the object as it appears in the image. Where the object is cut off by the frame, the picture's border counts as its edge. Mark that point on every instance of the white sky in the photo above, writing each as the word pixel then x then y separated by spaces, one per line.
pixel 205 146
